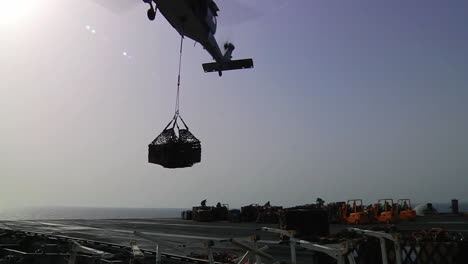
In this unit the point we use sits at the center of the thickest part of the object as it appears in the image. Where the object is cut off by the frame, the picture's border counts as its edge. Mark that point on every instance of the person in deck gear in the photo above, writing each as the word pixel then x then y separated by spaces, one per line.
pixel 405 205
pixel 218 205
pixel 260 214
pixel 320 202
pixel 203 203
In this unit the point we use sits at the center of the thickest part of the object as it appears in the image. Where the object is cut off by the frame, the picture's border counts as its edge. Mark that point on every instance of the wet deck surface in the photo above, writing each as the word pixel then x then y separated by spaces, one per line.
pixel 453 223
pixel 174 236
pixel 172 233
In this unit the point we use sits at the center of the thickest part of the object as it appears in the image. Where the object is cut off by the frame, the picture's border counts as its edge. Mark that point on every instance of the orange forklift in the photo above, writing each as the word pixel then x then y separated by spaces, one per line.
pixel 405 210
pixel 385 211
pixel 353 213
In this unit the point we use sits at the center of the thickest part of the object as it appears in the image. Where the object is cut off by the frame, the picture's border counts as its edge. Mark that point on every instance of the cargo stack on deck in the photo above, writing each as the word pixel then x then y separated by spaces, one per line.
pixel 204 213
pixel 307 221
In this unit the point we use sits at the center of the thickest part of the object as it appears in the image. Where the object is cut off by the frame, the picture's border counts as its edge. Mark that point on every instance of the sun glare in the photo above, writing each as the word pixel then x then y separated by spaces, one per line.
pixel 13 11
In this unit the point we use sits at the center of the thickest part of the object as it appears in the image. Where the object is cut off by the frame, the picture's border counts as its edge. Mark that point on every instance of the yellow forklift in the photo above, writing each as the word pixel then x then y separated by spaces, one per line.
pixel 405 210
pixel 353 212
pixel 385 211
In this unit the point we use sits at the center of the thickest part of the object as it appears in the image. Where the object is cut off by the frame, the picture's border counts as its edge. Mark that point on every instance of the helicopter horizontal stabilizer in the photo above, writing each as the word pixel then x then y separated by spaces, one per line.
pixel 229 65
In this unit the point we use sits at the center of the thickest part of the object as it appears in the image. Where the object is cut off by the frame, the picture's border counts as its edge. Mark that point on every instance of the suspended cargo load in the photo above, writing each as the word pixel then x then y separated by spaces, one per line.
pixel 175 149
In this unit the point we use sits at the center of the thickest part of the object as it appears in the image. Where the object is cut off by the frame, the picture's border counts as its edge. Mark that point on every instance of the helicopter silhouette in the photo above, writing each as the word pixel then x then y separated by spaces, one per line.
pixel 197 19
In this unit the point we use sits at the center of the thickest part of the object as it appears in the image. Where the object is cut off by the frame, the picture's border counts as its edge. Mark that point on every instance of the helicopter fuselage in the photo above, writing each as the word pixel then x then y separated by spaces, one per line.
pixel 194 19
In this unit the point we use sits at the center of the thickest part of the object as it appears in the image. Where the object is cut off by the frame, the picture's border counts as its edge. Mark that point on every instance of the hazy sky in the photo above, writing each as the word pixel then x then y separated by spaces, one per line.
pixel 348 99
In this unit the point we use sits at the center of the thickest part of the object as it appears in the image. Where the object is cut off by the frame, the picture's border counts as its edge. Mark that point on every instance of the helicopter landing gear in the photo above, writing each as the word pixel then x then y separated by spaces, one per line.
pixel 152 11
pixel 151 14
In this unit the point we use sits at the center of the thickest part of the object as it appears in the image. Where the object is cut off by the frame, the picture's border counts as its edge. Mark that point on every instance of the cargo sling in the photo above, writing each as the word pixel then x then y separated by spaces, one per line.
pixel 171 149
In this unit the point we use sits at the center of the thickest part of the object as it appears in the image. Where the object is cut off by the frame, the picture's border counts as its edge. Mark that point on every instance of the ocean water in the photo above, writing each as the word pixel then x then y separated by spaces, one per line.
pixel 446 207
pixel 44 213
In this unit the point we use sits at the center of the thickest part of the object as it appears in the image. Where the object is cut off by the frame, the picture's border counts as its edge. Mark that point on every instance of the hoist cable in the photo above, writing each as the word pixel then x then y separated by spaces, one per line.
pixel 178 78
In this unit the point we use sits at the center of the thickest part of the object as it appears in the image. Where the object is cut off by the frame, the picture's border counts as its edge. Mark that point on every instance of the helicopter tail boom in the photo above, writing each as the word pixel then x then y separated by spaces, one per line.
pixel 223 61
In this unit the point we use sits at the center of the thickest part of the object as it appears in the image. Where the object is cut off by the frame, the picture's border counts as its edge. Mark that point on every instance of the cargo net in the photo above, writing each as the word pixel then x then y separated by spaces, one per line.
pixel 175 147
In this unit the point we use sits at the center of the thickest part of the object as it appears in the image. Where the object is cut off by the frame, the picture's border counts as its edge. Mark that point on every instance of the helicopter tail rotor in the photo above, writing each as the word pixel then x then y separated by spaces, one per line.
pixel 227 63
pixel 228 49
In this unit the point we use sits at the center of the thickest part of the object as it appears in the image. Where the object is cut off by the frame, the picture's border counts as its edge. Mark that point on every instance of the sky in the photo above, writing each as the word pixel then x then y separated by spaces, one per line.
pixel 348 99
